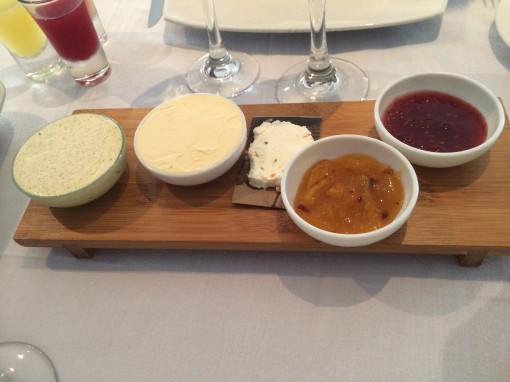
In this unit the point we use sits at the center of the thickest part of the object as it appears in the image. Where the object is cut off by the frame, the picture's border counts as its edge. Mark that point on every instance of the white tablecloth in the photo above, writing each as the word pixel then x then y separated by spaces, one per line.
pixel 247 316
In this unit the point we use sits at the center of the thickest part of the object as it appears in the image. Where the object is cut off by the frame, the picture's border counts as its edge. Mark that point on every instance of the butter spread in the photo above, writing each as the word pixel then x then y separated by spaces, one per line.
pixel 189 133
pixel 67 154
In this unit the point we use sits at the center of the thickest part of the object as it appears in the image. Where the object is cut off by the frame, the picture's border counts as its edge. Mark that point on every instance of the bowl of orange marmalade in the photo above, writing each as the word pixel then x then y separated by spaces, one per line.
pixel 349 190
pixel 439 119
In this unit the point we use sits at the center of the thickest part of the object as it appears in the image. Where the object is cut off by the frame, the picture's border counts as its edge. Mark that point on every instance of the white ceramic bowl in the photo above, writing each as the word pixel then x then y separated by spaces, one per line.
pixel 336 146
pixel 71 161
pixel 458 86
pixel 192 139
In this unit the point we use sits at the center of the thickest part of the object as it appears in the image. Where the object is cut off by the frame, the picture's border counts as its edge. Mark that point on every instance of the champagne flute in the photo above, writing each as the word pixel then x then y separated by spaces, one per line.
pixel 220 72
pixel 321 78
pixel 22 362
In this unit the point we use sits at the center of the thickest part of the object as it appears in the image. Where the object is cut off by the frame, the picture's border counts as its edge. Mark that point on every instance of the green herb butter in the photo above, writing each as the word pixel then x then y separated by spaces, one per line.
pixel 70 154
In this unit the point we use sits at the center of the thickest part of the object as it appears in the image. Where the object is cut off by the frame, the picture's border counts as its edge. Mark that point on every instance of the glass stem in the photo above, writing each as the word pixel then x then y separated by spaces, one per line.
pixel 319 69
pixel 220 63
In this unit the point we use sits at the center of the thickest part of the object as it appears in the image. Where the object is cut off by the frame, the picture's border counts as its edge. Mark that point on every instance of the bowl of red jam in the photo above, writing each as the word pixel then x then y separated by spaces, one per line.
pixel 439 119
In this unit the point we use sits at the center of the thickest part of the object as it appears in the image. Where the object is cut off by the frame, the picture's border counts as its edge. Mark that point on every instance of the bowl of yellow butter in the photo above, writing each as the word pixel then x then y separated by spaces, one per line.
pixel 192 139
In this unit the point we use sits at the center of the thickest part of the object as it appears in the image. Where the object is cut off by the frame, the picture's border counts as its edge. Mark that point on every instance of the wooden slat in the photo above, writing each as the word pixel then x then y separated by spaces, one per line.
pixel 460 210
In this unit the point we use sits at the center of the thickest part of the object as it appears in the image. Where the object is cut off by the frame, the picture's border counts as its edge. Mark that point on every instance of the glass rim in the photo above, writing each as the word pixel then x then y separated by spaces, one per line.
pixel 36 2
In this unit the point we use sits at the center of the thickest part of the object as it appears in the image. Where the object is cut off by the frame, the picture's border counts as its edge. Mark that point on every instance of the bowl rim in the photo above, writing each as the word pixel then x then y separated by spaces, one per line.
pixel 120 156
pixel 239 146
pixel 489 141
pixel 384 231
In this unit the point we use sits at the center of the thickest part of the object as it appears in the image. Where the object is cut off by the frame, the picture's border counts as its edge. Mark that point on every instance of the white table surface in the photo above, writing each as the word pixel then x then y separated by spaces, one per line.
pixel 244 316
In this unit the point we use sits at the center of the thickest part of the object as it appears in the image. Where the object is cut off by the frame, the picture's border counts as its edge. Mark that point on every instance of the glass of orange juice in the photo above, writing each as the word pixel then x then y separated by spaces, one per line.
pixel 26 42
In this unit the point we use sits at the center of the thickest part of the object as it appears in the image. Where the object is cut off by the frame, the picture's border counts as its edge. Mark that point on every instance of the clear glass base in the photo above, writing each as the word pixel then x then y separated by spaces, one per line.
pixel 348 83
pixel 44 65
pixel 229 78
pixel 92 71
pixel 22 362
pixel 94 78
pixel 44 74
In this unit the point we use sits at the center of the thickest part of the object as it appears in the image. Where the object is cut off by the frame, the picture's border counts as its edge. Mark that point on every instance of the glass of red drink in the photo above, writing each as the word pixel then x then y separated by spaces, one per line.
pixel 69 27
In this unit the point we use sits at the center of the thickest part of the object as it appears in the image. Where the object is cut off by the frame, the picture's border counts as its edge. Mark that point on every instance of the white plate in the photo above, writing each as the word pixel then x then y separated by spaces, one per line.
pixel 503 20
pixel 293 15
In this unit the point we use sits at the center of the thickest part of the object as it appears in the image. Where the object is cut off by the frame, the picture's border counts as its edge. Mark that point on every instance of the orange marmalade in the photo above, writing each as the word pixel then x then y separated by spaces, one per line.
pixel 351 194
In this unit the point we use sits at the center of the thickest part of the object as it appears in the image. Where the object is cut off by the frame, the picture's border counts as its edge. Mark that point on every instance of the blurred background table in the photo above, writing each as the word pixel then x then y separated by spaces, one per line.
pixel 156 315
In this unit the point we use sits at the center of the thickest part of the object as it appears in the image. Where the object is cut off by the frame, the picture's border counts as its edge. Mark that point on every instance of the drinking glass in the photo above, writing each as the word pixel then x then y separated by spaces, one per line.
pixel 321 78
pixel 26 42
pixel 96 20
pixel 69 27
pixel 22 362
pixel 220 72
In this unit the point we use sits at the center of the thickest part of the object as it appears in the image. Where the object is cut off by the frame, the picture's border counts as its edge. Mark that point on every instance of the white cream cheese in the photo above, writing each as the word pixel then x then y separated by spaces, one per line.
pixel 189 133
pixel 273 145
pixel 68 155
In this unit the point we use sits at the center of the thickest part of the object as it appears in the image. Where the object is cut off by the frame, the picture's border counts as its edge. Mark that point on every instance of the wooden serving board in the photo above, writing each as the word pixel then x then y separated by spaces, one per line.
pixel 461 211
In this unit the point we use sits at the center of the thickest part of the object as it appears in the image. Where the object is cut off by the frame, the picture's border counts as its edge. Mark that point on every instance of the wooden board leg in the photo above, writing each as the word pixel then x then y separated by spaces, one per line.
pixel 471 259
pixel 80 253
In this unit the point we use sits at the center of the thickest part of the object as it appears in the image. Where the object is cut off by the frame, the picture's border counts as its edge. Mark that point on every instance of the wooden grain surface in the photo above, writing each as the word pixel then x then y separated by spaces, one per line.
pixel 461 211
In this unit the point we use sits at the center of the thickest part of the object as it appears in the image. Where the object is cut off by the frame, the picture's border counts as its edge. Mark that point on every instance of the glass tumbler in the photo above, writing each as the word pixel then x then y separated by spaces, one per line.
pixel 26 42
pixel 69 27
pixel 98 24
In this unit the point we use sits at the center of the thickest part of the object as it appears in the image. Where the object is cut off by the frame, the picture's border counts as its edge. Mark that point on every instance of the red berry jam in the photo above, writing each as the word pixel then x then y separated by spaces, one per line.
pixel 435 121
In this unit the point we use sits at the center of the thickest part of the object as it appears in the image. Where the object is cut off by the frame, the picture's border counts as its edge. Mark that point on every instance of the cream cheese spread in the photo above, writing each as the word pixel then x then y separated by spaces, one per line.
pixel 273 145
pixel 189 133
pixel 68 154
